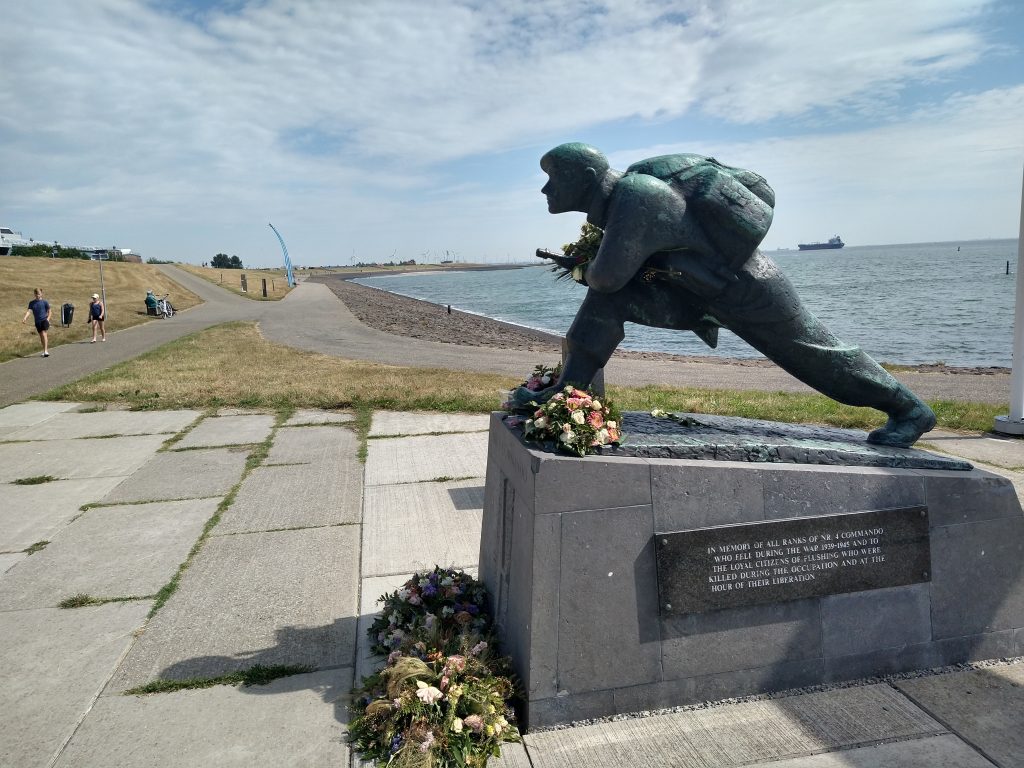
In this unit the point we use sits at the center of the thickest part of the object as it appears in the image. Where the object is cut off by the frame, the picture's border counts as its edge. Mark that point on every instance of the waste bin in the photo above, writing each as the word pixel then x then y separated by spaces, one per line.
pixel 67 313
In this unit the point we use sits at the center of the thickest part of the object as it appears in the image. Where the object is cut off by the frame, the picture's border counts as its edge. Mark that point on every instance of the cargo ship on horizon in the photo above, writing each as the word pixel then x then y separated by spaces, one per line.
pixel 832 244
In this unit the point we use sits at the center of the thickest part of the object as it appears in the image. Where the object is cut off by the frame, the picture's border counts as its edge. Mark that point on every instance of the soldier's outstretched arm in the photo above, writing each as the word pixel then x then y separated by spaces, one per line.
pixel 643 217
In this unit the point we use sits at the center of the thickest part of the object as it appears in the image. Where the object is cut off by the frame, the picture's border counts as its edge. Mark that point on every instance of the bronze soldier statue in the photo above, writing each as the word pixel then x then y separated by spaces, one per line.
pixel 680 251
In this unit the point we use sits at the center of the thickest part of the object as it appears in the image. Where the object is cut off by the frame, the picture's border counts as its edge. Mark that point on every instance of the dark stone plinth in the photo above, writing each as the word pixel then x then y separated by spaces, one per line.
pixel 569 554
pixel 731 438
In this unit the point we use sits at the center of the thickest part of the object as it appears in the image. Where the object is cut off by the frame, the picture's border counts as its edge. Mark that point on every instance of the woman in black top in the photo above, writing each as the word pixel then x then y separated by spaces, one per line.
pixel 97 315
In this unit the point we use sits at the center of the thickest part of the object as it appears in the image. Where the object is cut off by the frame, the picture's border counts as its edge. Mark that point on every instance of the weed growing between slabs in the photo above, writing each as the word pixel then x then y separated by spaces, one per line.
pixel 232 365
pixel 81 600
pixel 255 675
pixel 36 480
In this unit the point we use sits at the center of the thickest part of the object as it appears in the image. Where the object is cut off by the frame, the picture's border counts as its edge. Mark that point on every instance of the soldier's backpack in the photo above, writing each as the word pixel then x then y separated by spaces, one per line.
pixel 734 206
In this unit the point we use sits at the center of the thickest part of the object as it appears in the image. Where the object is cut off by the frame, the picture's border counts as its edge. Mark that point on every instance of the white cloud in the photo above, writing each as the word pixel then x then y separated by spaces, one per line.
pixel 343 118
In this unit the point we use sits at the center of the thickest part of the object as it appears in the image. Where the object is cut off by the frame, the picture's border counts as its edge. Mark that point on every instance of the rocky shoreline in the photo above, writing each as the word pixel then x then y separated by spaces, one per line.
pixel 413 318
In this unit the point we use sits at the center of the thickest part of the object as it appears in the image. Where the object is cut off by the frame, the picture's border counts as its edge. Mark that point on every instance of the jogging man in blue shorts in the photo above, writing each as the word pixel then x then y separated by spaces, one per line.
pixel 40 309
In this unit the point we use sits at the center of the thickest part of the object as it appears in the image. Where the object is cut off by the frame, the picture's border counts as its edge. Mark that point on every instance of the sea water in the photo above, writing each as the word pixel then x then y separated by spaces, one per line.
pixel 908 304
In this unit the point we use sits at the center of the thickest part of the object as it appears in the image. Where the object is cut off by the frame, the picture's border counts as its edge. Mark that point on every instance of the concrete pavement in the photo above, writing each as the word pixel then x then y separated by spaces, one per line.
pixel 292 578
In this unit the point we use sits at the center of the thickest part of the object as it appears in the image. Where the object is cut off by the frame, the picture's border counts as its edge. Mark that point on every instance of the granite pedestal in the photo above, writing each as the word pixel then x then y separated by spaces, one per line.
pixel 616 578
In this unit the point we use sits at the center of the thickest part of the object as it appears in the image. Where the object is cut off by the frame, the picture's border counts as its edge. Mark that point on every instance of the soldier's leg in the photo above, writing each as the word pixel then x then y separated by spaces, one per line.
pixel 598 329
pixel 599 325
pixel 593 336
pixel 781 328
pixel 810 352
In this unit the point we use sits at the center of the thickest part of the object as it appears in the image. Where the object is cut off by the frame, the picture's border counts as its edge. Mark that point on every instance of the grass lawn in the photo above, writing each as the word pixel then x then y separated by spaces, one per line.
pixel 277 281
pixel 74 281
pixel 232 365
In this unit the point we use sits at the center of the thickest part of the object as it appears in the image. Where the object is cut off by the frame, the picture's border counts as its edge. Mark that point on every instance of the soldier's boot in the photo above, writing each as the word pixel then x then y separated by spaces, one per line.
pixel 910 419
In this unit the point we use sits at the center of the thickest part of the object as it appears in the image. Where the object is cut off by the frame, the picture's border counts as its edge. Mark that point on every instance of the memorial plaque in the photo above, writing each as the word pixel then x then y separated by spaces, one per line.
pixel 754 563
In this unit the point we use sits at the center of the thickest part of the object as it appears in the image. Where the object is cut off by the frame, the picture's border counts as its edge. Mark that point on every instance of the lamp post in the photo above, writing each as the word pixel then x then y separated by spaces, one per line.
pixel 102 256
pixel 1014 423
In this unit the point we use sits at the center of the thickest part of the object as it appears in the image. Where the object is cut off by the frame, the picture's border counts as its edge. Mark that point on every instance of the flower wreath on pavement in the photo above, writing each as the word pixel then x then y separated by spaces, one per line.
pixel 441 698
pixel 436 607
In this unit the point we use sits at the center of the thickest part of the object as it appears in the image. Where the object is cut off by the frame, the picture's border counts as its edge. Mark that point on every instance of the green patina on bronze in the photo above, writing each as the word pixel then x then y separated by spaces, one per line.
pixel 680 250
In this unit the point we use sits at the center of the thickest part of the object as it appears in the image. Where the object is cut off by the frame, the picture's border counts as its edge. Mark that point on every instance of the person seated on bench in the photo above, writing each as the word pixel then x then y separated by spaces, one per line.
pixel 150 303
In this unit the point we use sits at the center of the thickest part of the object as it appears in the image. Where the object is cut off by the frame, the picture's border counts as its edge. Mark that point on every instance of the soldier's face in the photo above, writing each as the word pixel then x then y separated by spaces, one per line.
pixel 564 190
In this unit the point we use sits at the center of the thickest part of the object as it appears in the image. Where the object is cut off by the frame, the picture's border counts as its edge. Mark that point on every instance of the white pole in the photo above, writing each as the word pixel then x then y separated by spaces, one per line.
pixel 103 292
pixel 1014 423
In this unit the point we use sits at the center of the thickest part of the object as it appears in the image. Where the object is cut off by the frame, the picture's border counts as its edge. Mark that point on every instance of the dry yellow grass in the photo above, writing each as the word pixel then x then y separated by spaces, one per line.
pixel 277 281
pixel 74 281
pixel 232 364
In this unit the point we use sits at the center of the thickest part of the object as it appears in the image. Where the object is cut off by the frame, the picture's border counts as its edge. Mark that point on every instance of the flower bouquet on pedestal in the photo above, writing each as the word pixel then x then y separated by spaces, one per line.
pixel 543 376
pixel 575 420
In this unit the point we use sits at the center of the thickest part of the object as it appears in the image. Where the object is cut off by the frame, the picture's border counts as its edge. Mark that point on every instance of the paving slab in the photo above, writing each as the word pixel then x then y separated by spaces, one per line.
pixel 398 423
pixel 415 526
pixel 72 459
pixel 738 734
pixel 371 589
pixel 324 445
pixel 122 551
pixel 228 430
pixel 289 597
pixel 10 560
pixel 513 755
pixel 304 416
pixel 294 721
pixel 26 414
pixel 935 752
pixel 295 496
pixel 417 459
pixel 31 513
pixel 240 412
pixel 55 662
pixel 1000 451
pixel 183 475
pixel 984 706
pixel 102 423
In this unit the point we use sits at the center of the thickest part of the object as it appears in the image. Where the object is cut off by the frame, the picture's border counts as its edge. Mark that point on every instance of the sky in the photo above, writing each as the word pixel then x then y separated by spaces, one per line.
pixel 394 129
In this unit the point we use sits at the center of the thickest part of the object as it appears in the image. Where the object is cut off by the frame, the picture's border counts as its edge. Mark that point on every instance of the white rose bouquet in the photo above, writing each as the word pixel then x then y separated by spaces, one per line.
pixel 576 421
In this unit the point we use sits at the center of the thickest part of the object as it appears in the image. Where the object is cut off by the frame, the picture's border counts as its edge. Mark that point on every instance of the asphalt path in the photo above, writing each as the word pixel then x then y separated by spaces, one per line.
pixel 312 318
